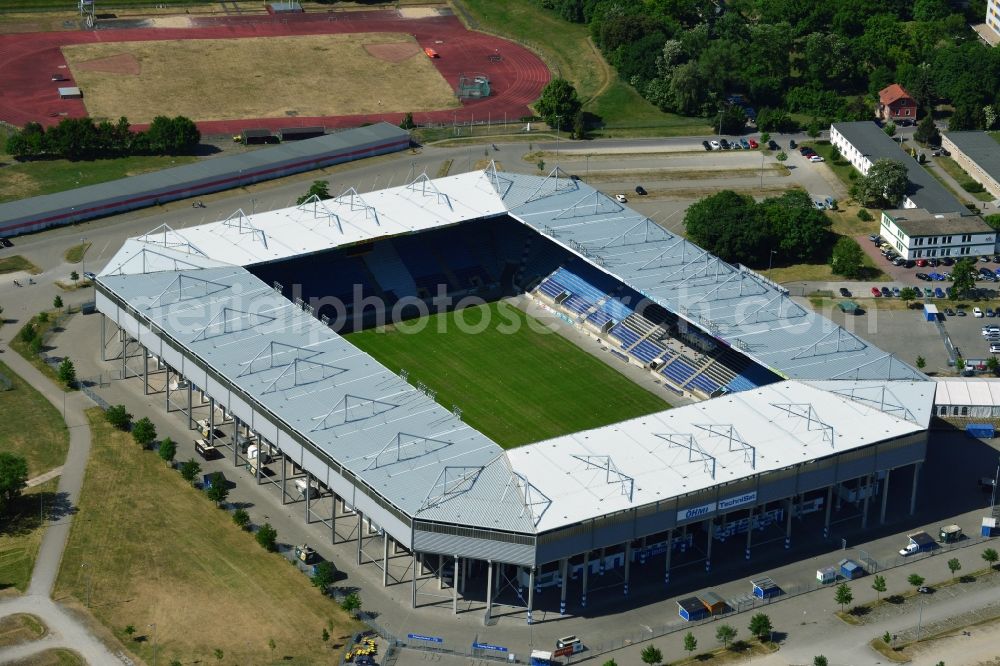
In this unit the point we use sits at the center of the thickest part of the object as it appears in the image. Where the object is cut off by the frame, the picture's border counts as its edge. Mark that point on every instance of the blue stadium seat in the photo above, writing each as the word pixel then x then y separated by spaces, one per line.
pixel 679 371
pixel 647 351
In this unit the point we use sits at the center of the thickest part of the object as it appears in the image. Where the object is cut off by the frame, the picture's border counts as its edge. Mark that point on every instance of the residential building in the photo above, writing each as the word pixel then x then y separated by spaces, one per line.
pixel 895 104
pixel 919 234
pixel 979 154
pixel 863 143
pixel 993 16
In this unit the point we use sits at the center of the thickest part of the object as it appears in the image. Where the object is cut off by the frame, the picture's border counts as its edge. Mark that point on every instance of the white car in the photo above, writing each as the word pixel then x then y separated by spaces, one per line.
pixel 976 312
pixel 816 158
pixel 715 145
pixel 620 198
pixel 909 550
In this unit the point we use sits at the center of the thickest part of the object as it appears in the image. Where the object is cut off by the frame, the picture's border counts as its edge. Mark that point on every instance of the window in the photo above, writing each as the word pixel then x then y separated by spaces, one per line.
pixel 964 250
pixel 967 238
pixel 917 254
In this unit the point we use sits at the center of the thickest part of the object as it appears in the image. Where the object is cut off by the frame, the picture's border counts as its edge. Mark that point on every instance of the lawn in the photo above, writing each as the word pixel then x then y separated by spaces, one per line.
pixel 42 329
pixel 158 551
pixel 841 167
pixel 952 168
pixel 20 628
pixel 32 427
pixel 29 179
pixel 52 657
pixel 21 534
pixel 18 263
pixel 76 253
pixel 513 383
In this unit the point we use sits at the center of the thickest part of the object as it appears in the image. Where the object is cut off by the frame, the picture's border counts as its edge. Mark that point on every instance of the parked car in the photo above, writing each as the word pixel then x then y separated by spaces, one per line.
pixel 620 198
pixel 806 151
pixel 640 190
pixel 816 158
pixel 960 312
pixel 792 144
pixel 875 238
pixel 976 312
pixel 947 261
pixel 773 145
pixel 898 261
pixel 921 262
pixel 715 144
pixel 928 292
pixel 845 292
pixel 910 263
pixel 990 313
pixel 753 144
pixel 886 292
pixel 745 144
pixel 922 276
pixel 933 262
pixel 89 275
pixel 941 152
pixel 708 146
pixel 724 143
pixel 984 259
pixel 875 292
pixel 938 292
pixel 896 292
pixel 949 312
pixel 6 242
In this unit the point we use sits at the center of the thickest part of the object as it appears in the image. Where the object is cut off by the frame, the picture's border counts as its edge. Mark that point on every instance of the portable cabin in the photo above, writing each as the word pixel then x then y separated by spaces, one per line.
pixel 691 609
pixel 850 569
pixel 765 588
pixel 826 575
pixel 713 603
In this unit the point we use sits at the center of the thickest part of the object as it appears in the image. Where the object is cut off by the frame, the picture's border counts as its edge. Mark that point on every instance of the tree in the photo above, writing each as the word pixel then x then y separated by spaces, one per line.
pixel 733 120
pixel 35 346
pixel 990 557
pixel 764 138
pixel 167 450
pixel 144 432
pixel 890 128
pixel 907 294
pixel 319 188
pixel 724 224
pixel 610 662
pixel 884 185
pixel 760 626
pixel 819 660
pixel 130 630
pixel 241 519
pixel 558 104
pixel 781 156
pixel 28 332
pixel 916 580
pixel 351 603
pixel 927 132
pixel 57 302
pixel 651 655
pixel 13 478
pixel 219 654
pixel 67 372
pixel 725 634
pixel 407 121
pixel 218 489
pixel 879 586
pixel 326 635
pixel 921 363
pixel 690 642
pixel 843 595
pixel 190 470
pixel 324 575
pixel 118 417
pixel 959 363
pixel 963 279
pixel 267 537
pixel 954 566
pixel 993 364
pixel 74 276
pixel 847 258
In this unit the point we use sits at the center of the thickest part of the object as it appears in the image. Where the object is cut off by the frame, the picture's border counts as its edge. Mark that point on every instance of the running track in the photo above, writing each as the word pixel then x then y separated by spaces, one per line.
pixel 27 62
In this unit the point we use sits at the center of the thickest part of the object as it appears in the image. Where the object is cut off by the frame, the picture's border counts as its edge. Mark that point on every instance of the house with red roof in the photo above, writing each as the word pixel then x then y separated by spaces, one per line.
pixel 895 104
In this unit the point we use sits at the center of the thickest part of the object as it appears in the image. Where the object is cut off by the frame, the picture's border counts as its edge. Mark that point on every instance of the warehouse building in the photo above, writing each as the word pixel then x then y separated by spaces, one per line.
pixel 979 154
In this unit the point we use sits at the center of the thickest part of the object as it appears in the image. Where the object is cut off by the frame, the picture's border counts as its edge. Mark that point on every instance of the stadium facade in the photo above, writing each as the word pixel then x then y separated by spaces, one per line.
pixel 796 412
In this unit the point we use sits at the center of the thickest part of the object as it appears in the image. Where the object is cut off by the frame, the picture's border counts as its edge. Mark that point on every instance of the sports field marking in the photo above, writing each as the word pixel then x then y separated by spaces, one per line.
pixel 258 77
pixel 513 383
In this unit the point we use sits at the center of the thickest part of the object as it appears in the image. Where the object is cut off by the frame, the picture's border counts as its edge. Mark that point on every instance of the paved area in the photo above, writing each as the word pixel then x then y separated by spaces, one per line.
pixel 42 478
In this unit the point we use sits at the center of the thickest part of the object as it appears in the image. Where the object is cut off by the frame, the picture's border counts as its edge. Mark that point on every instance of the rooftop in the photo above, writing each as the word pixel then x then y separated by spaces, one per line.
pixel 892 93
pixel 981 148
pixel 924 190
pixel 919 222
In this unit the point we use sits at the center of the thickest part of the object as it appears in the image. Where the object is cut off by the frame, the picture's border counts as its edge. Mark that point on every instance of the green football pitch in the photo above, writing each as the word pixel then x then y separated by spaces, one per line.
pixel 513 381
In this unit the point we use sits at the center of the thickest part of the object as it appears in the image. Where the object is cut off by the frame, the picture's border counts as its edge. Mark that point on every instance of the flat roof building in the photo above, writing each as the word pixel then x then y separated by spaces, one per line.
pixel 919 234
pixel 979 154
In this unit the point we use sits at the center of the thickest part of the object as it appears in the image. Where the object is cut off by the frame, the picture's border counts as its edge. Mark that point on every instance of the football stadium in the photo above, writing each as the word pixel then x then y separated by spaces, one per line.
pixel 373 357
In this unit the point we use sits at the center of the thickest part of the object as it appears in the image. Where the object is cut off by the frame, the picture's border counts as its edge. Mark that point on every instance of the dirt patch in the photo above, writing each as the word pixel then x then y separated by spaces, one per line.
pixel 20 628
pixel 122 63
pixel 260 77
pixel 170 22
pixel 418 12
pixel 390 52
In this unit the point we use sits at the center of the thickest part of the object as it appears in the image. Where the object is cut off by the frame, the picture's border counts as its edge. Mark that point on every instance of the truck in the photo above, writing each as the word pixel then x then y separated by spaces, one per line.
pixel 950 534
pixel 919 542
pixel 205 450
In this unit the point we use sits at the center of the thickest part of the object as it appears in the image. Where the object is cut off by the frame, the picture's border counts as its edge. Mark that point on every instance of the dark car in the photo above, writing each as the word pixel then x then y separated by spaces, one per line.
pixel 875 238
pixel 792 144
pixel 6 242
pixel 845 292
pixel 947 261
pixel 724 144
pixel 923 589
pixel 886 292
pixel 941 152
pixel 949 312
pixel 640 190
pixel 773 145
pixel 806 152
pixel 933 263
pixel 910 263
pixel 923 276
pixel 707 145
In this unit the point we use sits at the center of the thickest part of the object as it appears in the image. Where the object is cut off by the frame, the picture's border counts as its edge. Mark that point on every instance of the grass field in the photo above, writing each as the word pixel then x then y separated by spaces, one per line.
pixel 258 77
pixel 17 263
pixel 21 534
pixel 29 179
pixel 158 551
pixel 53 657
pixel 20 628
pixel 513 383
pixel 76 253
pixel 953 169
pixel 43 329
pixel 32 427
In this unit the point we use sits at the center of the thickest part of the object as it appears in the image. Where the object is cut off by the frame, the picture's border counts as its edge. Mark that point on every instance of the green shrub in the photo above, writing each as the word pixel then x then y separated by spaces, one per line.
pixel 973 187
pixel 864 215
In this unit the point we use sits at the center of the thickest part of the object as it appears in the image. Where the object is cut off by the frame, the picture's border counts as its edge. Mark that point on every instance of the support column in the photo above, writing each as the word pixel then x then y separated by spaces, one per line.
pixel 211 424
pixel 167 387
pixel 333 523
pixel 465 574
pixel 413 577
pixel 104 337
pixel 864 504
pixel 237 427
pixel 308 489
pixel 586 575
pixel 563 584
pixel 385 558
pixel 531 593
pixel 628 564
pixel 913 494
pixel 670 550
pixel 489 589
pixel 788 524
pixel 440 572
pixel 190 407
pixel 885 497
pixel 603 558
pixel 749 533
pixel 124 354
pixel 145 370
pixel 283 477
pixel 361 525
pixel 829 506
pixel 708 552
pixel 454 589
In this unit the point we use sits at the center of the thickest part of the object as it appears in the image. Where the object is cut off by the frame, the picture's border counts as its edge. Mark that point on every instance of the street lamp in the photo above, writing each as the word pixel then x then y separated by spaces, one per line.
pixel 770 259
pixel 558 122
pixel 83 255
pixel 84 566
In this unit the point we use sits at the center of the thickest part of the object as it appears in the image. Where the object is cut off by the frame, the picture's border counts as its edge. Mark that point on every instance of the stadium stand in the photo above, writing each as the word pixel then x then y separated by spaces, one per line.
pixel 389 270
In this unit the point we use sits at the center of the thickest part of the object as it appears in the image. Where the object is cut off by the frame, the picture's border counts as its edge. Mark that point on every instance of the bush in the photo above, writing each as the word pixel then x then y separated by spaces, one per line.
pixel 864 215
pixel 28 332
pixel 144 432
pixel 267 537
pixel 241 519
pixel 118 417
pixel 973 187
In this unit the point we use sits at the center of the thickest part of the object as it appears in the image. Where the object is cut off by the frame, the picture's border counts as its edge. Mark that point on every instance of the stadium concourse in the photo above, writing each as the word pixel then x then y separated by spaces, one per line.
pixel 238 321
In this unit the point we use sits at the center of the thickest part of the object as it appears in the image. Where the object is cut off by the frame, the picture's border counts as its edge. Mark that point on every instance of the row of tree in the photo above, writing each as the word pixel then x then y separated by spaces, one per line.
pixel 734 227
pixel 826 59
pixel 83 139
pixel 760 627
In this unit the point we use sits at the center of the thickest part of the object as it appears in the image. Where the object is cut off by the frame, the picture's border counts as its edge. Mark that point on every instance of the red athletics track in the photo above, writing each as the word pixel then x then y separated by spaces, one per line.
pixel 27 62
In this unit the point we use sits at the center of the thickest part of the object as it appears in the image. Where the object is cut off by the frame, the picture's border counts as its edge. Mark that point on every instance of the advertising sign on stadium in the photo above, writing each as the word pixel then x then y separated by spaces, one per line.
pixel 696 511
pixel 739 500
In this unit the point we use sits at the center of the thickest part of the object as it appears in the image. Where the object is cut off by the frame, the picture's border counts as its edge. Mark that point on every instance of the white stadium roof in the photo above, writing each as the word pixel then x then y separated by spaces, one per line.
pixel 417 454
